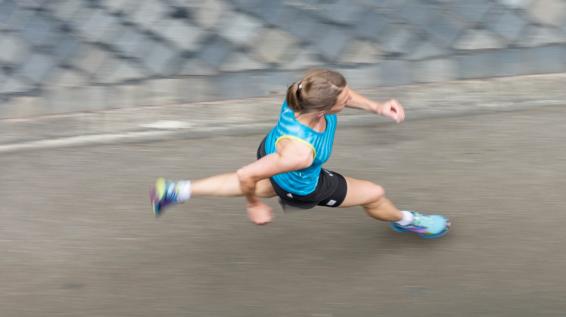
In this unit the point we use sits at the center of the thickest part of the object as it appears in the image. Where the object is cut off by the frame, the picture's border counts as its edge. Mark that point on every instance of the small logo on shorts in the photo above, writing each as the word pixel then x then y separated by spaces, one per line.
pixel 289 195
pixel 327 172
pixel 331 202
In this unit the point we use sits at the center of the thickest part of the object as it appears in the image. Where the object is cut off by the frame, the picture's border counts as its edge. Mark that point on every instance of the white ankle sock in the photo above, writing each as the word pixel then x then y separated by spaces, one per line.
pixel 407 218
pixel 183 190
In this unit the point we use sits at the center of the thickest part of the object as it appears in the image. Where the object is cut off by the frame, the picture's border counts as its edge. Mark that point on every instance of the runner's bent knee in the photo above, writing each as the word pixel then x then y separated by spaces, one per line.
pixel 376 193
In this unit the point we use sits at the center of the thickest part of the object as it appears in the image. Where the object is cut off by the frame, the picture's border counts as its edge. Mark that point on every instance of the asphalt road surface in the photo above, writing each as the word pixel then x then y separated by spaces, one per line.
pixel 77 236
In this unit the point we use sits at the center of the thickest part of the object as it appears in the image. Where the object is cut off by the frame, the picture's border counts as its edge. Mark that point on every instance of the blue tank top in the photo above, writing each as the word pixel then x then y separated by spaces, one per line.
pixel 301 182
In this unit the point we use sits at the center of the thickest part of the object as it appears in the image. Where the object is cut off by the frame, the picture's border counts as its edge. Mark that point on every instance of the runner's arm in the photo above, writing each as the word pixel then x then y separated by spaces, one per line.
pixel 391 108
pixel 360 102
pixel 290 156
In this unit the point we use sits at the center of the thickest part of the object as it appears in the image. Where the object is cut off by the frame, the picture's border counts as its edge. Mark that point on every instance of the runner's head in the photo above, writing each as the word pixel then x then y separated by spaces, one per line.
pixel 320 90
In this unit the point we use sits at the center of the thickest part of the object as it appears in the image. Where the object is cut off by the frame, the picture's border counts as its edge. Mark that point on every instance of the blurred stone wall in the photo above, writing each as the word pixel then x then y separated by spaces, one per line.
pixel 61 56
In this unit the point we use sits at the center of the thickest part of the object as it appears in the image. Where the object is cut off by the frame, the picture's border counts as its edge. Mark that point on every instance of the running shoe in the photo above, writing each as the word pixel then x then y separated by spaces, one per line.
pixel 425 226
pixel 162 195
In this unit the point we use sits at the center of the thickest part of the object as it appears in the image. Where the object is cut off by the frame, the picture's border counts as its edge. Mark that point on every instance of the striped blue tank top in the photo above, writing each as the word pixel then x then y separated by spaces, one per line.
pixel 301 182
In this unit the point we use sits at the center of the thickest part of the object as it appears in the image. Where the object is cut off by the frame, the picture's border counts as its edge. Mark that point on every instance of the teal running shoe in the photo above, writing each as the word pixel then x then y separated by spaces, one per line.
pixel 425 226
pixel 163 194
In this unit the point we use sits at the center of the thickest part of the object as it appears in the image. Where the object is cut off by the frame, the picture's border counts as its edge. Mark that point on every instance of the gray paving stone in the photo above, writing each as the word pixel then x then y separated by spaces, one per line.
pixel 417 12
pixel 21 107
pixel 77 99
pixel 97 25
pixel 546 59
pixel 14 85
pixel 112 99
pixel 7 8
pixel 371 25
pixel 39 30
pixel 471 11
pixel 155 28
pixel 551 12
pixel 434 70
pixel 13 49
pixel 215 52
pixel 66 48
pixel 164 90
pixel 131 95
pixel 126 71
pixel 62 100
pixel 394 73
pixel 190 4
pixel 304 26
pixel 506 62
pixel 475 39
pixel 93 98
pixel 145 46
pixel 31 4
pixel 91 58
pixel 149 12
pixel 247 5
pixel 139 94
pixel 37 67
pixel 476 65
pixel 272 12
pixel 426 49
pixel 119 6
pixel 398 40
pixel 387 6
pixel 197 88
pixel 196 67
pixel 240 28
pixel 276 46
pixel 210 12
pixel 360 52
pixel 517 4
pixel 444 30
pixel 124 96
pixel 508 25
pixel 180 11
pixel 65 10
pixel 332 42
pixel 363 77
pixel 305 58
pixel 160 60
pixel 114 71
pixel 68 78
pixel 342 12
pixel 130 41
pixel 238 85
pixel 275 83
pixel 17 20
pixel 241 62
pixel 182 34
pixel 539 36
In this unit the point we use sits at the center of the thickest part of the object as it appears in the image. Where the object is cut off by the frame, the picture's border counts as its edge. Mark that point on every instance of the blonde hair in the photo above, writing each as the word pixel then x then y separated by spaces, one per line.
pixel 317 91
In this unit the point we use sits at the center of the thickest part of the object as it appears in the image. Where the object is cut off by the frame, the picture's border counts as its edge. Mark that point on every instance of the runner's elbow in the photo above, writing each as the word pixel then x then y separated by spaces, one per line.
pixel 244 175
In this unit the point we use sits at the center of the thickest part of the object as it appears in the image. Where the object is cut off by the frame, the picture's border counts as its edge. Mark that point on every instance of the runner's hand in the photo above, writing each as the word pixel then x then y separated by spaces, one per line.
pixel 259 213
pixel 392 109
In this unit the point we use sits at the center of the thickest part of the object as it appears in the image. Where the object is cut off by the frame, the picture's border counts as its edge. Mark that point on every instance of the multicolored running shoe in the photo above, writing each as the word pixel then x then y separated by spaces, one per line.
pixel 162 195
pixel 425 226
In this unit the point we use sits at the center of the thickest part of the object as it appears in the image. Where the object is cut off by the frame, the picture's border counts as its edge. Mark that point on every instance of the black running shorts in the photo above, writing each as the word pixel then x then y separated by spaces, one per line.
pixel 330 190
